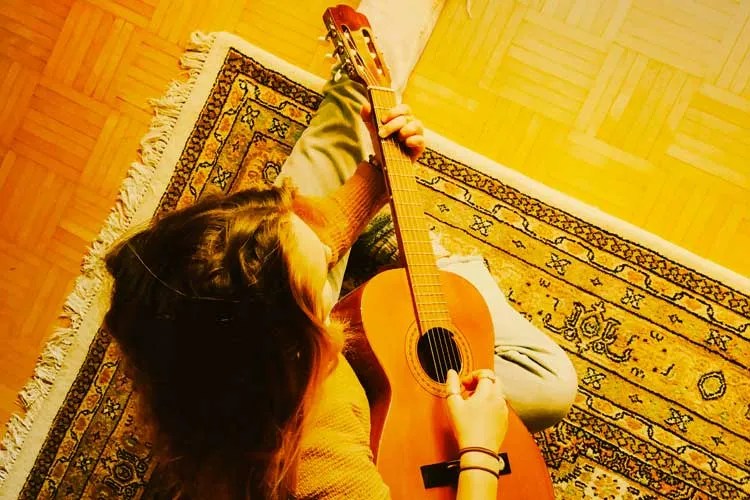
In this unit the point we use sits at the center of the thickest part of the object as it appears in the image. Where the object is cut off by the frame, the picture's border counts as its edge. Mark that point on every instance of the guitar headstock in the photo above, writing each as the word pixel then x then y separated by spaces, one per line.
pixel 355 45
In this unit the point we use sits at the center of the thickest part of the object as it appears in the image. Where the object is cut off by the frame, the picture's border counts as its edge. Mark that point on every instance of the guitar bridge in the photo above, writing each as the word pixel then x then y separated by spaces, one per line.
pixel 444 474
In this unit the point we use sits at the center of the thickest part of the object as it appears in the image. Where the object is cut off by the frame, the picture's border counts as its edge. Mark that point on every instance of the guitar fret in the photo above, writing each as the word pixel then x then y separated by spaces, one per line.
pixel 408 212
pixel 427 317
pixel 434 307
pixel 424 277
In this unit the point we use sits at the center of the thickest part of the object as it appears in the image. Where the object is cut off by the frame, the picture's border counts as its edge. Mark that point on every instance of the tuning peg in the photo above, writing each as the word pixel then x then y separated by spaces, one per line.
pixel 337 51
pixel 330 55
pixel 325 38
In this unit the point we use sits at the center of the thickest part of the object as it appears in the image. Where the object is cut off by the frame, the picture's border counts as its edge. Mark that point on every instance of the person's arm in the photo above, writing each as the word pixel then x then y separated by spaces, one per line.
pixel 477 484
pixel 480 422
pixel 339 218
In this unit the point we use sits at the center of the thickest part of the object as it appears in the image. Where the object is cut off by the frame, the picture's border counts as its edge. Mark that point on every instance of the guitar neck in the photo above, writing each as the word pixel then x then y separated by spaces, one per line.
pixel 408 216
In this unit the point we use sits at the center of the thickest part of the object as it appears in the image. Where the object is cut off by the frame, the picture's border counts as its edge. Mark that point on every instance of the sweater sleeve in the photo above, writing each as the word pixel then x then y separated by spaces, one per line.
pixel 339 218
pixel 336 462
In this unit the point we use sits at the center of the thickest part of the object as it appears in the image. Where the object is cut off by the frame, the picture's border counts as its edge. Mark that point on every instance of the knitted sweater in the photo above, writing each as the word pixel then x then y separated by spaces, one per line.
pixel 336 461
pixel 339 218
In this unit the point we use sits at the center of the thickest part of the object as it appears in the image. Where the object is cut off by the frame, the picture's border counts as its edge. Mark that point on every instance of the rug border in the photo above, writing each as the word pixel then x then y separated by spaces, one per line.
pixel 141 193
pixel 588 213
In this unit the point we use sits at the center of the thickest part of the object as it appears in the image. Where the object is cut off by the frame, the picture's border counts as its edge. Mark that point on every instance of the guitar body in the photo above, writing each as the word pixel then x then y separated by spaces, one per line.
pixel 409 422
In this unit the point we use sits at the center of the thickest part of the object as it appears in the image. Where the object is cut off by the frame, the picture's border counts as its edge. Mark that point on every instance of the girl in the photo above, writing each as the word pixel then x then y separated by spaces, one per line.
pixel 221 312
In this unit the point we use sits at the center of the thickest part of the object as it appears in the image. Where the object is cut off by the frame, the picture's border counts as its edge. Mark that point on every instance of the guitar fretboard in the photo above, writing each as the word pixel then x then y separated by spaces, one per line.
pixel 411 228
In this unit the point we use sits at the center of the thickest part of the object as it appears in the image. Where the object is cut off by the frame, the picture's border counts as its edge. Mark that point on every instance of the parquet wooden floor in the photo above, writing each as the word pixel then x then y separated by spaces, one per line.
pixel 639 107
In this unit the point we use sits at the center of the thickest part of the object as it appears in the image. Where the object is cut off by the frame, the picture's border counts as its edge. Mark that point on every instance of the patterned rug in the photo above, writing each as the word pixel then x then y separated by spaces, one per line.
pixel 659 338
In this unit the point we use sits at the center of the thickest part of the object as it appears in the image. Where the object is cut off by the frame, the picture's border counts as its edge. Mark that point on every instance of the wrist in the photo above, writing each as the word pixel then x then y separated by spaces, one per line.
pixel 476 459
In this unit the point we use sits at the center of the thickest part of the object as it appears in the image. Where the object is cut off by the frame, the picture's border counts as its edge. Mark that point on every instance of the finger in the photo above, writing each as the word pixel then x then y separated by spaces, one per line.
pixel 453 384
pixel 473 377
pixel 393 125
pixel 396 111
pixel 481 380
pixel 469 382
pixel 415 152
pixel 415 142
pixel 412 127
pixel 365 112
pixel 485 388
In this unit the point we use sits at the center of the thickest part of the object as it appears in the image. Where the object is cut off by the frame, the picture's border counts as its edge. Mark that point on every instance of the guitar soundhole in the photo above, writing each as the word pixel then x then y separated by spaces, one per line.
pixel 438 353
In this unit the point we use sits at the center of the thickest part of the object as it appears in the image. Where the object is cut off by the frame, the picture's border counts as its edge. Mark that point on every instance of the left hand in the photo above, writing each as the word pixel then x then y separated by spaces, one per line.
pixel 398 120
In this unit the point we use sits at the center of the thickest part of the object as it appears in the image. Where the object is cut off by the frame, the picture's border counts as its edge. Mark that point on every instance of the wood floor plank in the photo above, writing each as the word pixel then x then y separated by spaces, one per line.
pixel 17 85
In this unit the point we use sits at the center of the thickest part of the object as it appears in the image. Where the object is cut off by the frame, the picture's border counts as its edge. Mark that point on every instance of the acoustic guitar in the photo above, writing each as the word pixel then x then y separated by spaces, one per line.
pixel 415 323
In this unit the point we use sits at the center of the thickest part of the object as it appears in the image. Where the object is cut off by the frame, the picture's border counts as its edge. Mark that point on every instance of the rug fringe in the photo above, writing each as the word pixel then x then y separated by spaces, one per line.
pixel 88 285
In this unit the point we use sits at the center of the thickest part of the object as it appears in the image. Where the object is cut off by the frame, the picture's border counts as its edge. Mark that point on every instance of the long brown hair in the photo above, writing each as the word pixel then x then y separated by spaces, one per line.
pixel 226 343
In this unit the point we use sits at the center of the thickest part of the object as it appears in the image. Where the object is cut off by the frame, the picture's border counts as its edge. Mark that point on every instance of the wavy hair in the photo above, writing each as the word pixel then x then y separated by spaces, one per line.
pixel 226 343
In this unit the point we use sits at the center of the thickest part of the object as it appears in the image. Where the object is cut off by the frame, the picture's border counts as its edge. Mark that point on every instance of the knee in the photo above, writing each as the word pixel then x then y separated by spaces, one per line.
pixel 555 397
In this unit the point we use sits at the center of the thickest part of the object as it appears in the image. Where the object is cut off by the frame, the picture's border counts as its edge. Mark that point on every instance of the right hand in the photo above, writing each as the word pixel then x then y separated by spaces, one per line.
pixel 481 418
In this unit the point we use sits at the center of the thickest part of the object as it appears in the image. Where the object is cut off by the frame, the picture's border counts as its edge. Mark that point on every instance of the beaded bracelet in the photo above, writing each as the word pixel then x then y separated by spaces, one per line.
pixel 479 449
pixel 477 467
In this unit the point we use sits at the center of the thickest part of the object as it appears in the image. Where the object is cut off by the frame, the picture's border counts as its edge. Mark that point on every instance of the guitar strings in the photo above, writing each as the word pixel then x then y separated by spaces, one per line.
pixel 447 356
pixel 408 212
pixel 388 146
